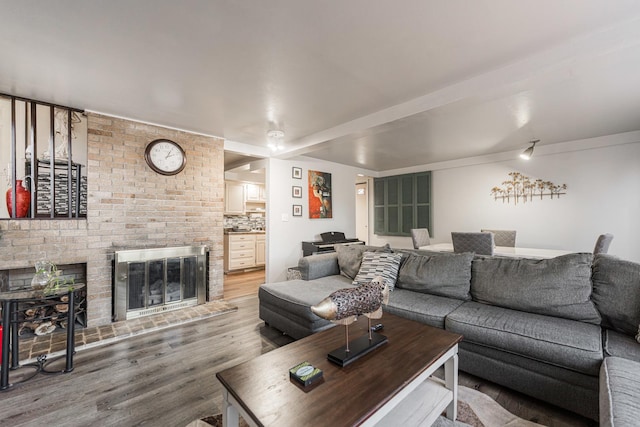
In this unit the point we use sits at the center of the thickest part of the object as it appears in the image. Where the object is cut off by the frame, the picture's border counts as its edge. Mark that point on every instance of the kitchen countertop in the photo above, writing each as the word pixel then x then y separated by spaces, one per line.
pixel 245 232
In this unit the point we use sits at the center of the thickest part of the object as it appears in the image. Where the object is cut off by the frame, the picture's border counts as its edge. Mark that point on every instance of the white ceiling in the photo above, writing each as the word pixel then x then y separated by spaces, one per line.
pixel 370 83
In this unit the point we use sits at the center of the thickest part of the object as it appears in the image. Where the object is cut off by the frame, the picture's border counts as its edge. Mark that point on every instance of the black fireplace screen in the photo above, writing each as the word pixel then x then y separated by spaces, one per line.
pixel 151 280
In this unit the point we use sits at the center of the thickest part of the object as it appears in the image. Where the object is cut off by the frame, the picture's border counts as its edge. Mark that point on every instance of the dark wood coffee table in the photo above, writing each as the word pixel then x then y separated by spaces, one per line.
pixel 389 386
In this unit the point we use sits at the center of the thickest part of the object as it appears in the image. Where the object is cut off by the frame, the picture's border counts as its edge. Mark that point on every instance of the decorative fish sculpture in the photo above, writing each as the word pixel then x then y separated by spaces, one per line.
pixel 345 305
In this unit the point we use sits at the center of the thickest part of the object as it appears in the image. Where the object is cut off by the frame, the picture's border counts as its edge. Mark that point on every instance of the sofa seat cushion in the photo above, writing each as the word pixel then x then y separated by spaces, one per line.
pixel 559 287
pixel 294 298
pixel 561 342
pixel 424 308
pixel 620 345
pixel 619 392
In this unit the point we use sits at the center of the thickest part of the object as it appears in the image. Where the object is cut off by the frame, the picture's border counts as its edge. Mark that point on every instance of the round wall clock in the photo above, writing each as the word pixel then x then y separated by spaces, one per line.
pixel 165 157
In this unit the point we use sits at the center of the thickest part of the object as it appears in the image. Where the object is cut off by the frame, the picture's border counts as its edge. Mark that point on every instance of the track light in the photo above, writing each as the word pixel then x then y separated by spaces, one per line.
pixel 526 154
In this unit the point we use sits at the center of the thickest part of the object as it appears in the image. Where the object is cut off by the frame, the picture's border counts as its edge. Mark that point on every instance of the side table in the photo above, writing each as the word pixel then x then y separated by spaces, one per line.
pixel 10 342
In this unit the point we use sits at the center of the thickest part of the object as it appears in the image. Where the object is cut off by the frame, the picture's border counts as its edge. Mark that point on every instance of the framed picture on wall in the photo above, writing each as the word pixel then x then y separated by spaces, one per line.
pixel 320 205
pixel 296 172
pixel 297 210
pixel 296 192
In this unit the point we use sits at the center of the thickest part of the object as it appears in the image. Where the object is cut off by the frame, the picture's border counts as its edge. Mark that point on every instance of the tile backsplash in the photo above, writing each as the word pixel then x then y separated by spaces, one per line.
pixel 251 222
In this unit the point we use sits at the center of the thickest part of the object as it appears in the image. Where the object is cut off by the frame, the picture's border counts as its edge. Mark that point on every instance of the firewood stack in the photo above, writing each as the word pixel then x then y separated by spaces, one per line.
pixel 45 316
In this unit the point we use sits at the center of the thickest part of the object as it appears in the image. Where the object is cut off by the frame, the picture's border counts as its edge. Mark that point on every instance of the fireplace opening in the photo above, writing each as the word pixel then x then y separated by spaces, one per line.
pixel 46 316
pixel 149 281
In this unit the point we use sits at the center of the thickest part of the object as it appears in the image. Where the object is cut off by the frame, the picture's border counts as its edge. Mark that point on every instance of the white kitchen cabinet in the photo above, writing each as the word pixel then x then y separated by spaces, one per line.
pixel 239 251
pixel 234 198
pixel 253 192
pixel 261 244
pixel 255 198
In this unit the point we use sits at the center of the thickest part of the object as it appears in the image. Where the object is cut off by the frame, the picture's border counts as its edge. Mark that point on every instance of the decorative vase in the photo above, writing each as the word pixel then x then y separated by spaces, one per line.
pixel 43 274
pixel 23 200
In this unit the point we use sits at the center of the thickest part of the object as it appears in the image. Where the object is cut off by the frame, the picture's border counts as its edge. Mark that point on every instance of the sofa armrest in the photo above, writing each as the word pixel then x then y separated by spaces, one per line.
pixel 619 392
pixel 315 266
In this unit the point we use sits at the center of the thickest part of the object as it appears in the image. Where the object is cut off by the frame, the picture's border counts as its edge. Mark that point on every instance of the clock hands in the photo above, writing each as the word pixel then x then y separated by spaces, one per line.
pixel 169 154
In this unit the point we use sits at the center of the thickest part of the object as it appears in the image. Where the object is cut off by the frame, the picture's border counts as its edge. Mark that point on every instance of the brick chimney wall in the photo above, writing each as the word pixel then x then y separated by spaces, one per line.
pixel 129 206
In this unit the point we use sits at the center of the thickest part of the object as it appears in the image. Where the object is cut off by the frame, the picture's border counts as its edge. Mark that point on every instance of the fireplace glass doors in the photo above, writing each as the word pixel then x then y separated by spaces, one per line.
pixel 149 281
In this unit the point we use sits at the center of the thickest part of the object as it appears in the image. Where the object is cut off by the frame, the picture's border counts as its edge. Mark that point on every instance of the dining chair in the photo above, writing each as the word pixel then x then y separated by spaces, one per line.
pixel 478 242
pixel 503 237
pixel 602 244
pixel 420 237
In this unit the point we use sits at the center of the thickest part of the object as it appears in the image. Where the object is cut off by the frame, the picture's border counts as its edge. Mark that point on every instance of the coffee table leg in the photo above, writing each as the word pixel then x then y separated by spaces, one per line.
pixel 229 412
pixel 451 382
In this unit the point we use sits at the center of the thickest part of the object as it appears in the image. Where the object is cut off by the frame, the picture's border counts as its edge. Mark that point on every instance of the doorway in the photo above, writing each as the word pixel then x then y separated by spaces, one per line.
pixel 362 209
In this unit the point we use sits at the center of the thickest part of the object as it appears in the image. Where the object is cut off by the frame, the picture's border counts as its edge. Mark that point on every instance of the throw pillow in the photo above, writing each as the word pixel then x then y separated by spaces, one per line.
pixel 559 287
pixel 447 275
pixel 350 257
pixel 379 264
pixel 616 293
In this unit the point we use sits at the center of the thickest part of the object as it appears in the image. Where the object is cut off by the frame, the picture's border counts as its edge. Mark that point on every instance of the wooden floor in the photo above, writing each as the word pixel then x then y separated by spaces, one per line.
pixel 243 283
pixel 167 378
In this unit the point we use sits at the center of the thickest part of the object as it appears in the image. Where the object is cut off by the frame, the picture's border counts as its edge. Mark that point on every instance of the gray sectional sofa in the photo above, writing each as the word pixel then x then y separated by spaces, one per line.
pixel 561 330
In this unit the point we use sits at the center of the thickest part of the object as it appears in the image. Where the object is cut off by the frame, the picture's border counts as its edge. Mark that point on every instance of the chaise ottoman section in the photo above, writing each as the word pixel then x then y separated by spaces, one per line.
pixel 619 391
pixel 565 343
pixel 286 305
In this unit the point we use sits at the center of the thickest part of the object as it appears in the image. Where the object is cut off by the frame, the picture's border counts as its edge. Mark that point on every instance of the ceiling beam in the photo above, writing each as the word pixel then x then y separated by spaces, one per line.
pixel 535 70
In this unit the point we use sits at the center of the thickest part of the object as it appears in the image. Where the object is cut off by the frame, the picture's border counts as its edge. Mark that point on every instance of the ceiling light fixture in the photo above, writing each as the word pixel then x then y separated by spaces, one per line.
pixel 275 138
pixel 526 154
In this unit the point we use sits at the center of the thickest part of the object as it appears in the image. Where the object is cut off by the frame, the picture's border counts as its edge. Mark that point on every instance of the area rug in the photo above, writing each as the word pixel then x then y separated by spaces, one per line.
pixel 475 409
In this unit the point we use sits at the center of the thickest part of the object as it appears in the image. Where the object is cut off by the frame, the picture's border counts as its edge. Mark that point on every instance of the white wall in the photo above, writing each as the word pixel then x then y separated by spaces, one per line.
pixel 603 196
pixel 284 245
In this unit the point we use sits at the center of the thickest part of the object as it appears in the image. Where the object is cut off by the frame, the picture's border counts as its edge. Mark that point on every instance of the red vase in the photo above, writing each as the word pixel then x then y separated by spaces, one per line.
pixel 23 200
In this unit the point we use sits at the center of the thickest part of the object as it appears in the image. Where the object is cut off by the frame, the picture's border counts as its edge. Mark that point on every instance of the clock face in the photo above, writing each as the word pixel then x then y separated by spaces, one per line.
pixel 165 157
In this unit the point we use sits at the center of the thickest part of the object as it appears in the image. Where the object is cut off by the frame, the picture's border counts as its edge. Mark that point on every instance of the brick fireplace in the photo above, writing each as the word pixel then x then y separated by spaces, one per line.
pixel 129 207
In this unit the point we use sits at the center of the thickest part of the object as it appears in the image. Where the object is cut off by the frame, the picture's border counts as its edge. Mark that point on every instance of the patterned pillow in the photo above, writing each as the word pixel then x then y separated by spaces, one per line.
pixel 379 264
pixel 350 257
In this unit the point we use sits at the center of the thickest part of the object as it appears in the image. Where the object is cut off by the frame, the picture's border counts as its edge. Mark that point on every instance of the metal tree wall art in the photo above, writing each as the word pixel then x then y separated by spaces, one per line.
pixel 522 188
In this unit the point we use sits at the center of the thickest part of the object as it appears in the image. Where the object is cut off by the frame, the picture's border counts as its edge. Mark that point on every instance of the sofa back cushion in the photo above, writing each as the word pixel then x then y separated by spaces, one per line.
pixel 616 293
pixel 447 275
pixel 559 287
pixel 350 257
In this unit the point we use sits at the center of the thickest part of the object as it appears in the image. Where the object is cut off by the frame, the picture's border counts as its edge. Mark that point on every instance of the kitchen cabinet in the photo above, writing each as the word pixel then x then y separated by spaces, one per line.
pixel 253 192
pixel 261 244
pixel 255 201
pixel 239 251
pixel 234 202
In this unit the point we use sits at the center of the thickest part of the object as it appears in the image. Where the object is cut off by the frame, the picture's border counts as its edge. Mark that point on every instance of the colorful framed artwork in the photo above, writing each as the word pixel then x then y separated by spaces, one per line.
pixel 320 205
pixel 296 192
pixel 297 210
pixel 296 172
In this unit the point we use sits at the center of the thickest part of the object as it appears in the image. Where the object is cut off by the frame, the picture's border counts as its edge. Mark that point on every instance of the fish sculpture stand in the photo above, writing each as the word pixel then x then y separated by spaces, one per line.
pixel 344 306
